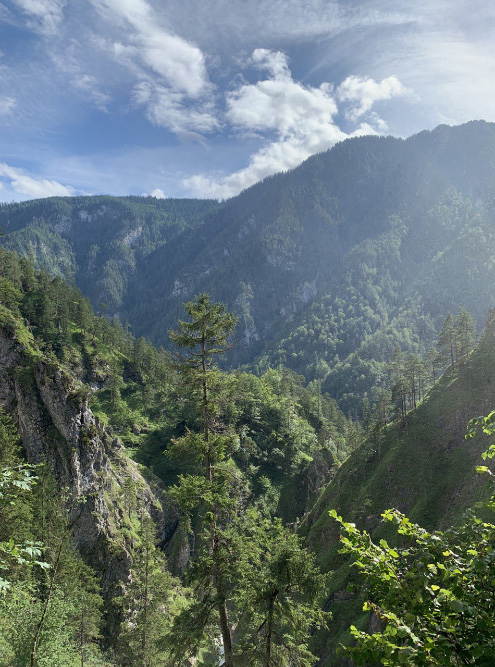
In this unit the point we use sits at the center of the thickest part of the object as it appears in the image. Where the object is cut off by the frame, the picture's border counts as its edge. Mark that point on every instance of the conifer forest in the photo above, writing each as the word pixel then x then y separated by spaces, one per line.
pixel 249 423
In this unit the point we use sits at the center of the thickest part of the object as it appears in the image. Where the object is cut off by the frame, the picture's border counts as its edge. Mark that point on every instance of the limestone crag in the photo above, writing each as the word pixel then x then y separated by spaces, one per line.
pixel 56 426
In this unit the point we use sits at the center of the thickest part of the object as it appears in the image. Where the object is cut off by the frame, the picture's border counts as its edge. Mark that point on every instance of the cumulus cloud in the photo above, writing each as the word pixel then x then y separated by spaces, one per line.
pixel 25 184
pixel 276 62
pixel 303 119
pixel 7 105
pixel 47 14
pixel 158 194
pixel 168 108
pixel 362 92
pixel 280 103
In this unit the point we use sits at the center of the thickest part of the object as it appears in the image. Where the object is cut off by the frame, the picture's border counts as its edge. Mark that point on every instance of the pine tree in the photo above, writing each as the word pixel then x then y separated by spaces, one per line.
pixel 280 592
pixel 205 337
pixel 465 328
pixel 412 372
pixel 67 587
pixel 432 363
pixel 399 383
pixel 367 415
pixel 447 342
pixel 147 601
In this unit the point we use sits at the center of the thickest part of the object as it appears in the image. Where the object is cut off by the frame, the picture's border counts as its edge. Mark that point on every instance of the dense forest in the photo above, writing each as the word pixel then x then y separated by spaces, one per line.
pixel 328 267
pixel 216 418
pixel 240 473
pixel 266 435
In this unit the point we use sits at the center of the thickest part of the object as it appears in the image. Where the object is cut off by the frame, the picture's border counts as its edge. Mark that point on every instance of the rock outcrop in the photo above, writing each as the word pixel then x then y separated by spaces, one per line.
pixel 56 426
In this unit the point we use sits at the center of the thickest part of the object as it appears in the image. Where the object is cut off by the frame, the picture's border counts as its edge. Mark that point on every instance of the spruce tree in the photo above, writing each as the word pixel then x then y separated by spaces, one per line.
pixel 465 327
pixel 447 342
pixel 205 337
pixel 147 601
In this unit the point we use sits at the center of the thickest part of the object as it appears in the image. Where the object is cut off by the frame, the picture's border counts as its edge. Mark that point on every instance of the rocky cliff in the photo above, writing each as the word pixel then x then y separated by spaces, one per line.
pixel 56 427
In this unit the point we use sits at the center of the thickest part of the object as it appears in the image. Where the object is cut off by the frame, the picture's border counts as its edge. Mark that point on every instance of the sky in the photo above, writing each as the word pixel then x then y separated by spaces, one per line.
pixel 187 98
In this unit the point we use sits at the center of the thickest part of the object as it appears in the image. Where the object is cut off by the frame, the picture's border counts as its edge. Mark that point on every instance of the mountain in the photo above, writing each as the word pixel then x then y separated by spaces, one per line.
pixel 100 408
pixel 425 468
pixel 329 266
pixel 96 411
pixel 97 240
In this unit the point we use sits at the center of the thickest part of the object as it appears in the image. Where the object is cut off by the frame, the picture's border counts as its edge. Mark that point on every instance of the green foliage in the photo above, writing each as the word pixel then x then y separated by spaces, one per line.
pixel 425 469
pixel 328 267
pixel 432 597
pixel 147 605
pixel 50 606
pixel 234 543
pixel 280 591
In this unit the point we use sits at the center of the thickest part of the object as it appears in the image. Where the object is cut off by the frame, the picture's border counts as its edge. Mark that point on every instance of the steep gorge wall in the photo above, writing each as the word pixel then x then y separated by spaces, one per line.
pixel 57 427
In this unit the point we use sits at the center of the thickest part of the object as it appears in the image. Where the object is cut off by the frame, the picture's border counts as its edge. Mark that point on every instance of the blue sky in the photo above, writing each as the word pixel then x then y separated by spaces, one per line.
pixel 189 98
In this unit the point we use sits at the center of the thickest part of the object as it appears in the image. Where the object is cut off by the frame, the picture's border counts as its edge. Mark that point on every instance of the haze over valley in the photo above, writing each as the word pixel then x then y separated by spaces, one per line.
pixel 247 334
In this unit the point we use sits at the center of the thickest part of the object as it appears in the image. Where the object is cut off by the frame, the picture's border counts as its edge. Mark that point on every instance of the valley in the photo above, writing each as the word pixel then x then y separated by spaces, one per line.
pixel 198 383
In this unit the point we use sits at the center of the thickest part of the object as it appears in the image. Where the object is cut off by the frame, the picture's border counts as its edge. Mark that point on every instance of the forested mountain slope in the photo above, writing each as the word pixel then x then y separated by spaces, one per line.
pixel 328 266
pixel 89 401
pixel 98 241
pixel 100 411
pixel 424 467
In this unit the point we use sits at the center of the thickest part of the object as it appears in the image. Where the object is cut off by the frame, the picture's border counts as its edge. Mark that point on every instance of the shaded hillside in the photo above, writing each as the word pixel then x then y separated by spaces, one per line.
pixel 89 402
pixel 328 266
pixel 426 470
pixel 98 241
pixel 288 435
pixel 47 375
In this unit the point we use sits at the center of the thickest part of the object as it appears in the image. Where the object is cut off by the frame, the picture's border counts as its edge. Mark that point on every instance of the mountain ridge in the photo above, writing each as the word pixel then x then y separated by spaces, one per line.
pixel 327 266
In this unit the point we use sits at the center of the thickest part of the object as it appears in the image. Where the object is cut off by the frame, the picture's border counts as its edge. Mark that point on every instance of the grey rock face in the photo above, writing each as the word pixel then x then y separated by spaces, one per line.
pixel 56 426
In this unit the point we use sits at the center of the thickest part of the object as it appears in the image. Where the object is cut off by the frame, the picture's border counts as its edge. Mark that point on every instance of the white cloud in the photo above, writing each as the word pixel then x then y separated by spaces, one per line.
pixel 276 62
pixel 362 92
pixel 48 14
pixel 7 105
pixel 283 105
pixel 302 117
pixel 87 85
pixel 32 186
pixel 172 81
pixel 274 157
pixel 177 63
pixel 158 194
pixel 168 108
pixel 231 25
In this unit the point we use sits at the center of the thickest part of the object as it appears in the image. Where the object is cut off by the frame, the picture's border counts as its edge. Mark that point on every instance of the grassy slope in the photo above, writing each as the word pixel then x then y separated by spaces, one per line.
pixel 426 471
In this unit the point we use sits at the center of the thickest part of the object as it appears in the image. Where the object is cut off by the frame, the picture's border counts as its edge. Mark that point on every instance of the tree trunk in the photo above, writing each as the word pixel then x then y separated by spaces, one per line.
pixel 81 638
pixel 269 630
pixel 206 430
pixel 36 638
pixel 145 609
pixel 226 634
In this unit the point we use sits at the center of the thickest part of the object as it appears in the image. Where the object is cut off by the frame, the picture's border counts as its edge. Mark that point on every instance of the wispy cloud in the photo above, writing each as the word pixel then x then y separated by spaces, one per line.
pixel 168 108
pixel 303 118
pixel 7 105
pixel 87 84
pixel 178 63
pixel 226 25
pixel 22 183
pixel 172 83
pixel 45 15
pixel 180 67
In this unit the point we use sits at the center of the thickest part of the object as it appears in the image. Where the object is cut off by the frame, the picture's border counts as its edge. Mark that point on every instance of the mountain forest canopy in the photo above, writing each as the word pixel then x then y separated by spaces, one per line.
pixel 188 388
